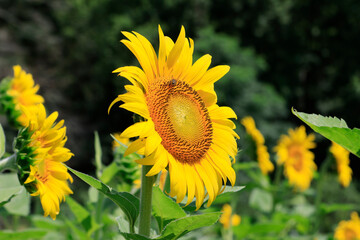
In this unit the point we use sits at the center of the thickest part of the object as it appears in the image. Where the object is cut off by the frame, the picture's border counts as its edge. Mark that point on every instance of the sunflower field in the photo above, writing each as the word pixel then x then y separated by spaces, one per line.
pixel 179 120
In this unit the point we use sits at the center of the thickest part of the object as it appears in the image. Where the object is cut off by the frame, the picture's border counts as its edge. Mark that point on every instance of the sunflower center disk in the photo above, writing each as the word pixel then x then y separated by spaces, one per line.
pixel 181 119
pixel 296 153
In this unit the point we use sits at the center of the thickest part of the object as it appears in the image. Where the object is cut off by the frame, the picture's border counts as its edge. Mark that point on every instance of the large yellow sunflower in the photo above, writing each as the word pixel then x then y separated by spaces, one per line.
pixel 41 154
pixel 262 153
pixel 18 91
pixel 293 151
pixel 183 128
pixel 341 156
pixel 348 230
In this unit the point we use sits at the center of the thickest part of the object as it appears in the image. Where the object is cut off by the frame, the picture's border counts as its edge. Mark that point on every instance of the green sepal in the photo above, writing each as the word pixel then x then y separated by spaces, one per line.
pixel 25 156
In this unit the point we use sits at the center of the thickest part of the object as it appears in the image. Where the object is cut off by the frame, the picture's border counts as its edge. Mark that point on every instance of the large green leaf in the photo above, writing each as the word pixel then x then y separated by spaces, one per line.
pixel 13 195
pixel 165 209
pixel 333 129
pixel 181 226
pixel 126 201
pixel 2 141
pixel 19 204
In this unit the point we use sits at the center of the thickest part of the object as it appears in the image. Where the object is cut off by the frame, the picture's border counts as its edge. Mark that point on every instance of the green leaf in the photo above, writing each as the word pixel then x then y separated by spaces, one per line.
pixel 13 195
pixel 333 129
pixel 98 154
pixel 25 234
pixel 126 201
pixel 2 141
pixel 123 225
pixel 134 236
pixel 81 214
pixel 19 204
pixel 261 200
pixel 109 172
pixel 181 226
pixel 165 209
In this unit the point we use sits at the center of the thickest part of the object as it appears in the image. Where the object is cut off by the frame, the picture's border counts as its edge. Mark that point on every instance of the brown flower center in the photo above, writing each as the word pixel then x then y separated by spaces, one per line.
pixel 181 119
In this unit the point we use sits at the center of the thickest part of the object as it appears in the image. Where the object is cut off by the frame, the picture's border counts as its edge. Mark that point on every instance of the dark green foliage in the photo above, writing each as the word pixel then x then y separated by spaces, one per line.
pixel 281 53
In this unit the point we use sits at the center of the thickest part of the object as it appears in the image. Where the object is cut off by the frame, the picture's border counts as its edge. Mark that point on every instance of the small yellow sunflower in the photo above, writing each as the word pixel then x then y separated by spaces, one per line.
pixel 228 219
pixel 250 127
pixel 348 230
pixel 18 91
pixel 341 156
pixel 40 155
pixel 293 151
pixel 183 128
pixel 262 153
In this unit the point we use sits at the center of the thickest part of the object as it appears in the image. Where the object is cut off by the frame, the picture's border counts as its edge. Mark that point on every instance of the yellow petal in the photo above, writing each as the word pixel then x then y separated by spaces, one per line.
pixel 176 50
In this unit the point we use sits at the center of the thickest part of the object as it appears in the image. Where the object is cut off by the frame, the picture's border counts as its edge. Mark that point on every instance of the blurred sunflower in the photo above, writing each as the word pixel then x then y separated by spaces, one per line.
pixel 341 156
pixel 17 91
pixel 184 129
pixel 129 172
pixel 122 140
pixel 40 156
pixel 262 153
pixel 293 151
pixel 348 230
pixel 228 219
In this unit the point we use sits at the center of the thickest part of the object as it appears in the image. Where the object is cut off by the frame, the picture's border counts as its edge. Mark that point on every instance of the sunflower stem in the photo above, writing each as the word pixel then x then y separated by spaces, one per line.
pixel 98 215
pixel 318 199
pixel 145 201
pixel 8 163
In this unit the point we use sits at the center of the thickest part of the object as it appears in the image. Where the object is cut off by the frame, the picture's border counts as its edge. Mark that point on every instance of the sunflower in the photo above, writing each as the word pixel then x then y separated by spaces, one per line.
pixel 17 91
pixel 341 156
pixel 348 230
pixel 116 143
pixel 228 219
pixel 41 154
pixel 293 151
pixel 183 128
pixel 262 153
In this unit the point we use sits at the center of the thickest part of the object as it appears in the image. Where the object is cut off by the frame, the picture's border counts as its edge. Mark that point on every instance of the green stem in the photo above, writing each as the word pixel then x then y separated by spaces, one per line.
pixel 8 163
pixel 278 174
pixel 276 191
pixel 98 214
pixel 318 199
pixel 145 201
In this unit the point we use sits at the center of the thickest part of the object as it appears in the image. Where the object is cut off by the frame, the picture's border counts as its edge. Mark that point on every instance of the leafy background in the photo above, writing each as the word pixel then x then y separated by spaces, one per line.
pixel 282 53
